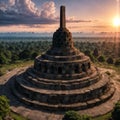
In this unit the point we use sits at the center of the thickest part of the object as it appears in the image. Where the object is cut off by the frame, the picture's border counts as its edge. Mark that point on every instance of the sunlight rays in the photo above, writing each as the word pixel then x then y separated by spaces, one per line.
pixel 117 25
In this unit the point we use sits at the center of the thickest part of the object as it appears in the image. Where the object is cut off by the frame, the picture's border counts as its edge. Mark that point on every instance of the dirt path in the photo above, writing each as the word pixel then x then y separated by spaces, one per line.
pixel 113 74
pixel 8 75
pixel 4 79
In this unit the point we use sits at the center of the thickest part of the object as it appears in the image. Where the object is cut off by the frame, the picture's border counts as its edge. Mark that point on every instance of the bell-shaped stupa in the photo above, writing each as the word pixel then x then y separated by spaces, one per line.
pixel 63 78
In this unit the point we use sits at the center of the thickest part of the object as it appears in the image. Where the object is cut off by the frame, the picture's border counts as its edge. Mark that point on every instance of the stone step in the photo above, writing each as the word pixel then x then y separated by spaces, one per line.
pixel 31 74
pixel 63 96
pixel 61 84
pixel 65 107
pixel 63 58
pixel 84 59
pixel 69 76
pixel 101 83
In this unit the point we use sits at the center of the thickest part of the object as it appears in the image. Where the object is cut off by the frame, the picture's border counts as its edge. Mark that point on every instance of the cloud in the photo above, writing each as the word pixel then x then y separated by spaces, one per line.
pixel 48 10
pixel 11 2
pixel 13 12
pixel 26 7
pixel 78 21
pixel 3 5
pixel 26 12
pixel 74 19
pixel 101 26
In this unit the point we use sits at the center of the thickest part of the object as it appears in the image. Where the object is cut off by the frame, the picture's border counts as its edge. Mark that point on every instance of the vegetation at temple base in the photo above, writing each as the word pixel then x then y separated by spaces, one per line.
pixel 116 112
pixel 72 115
pixel 4 107
pixel 103 117
pixel 114 115
pixel 5 112
pixel 17 117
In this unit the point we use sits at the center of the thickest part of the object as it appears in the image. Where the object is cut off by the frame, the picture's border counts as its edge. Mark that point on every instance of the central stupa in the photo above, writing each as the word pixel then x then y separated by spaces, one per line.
pixel 63 78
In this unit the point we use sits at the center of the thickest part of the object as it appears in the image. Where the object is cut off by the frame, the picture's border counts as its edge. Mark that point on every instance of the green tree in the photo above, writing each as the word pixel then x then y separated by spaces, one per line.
pixel 110 60
pixel 3 59
pixel 34 55
pixel 117 62
pixel 7 53
pixel 96 52
pixel 101 58
pixel 25 54
pixel 87 52
pixel 72 115
pixel 14 57
pixel 116 112
pixel 93 59
pixel 4 106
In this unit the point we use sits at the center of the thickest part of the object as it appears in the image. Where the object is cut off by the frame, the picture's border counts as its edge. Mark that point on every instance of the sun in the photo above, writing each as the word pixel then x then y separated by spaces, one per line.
pixel 116 22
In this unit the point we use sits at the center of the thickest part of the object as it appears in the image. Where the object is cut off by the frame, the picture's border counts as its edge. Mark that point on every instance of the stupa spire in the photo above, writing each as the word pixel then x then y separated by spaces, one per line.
pixel 62 17
pixel 62 38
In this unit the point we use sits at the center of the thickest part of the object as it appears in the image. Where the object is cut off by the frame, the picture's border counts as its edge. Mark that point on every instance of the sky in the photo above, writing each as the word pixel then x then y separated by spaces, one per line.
pixel 43 15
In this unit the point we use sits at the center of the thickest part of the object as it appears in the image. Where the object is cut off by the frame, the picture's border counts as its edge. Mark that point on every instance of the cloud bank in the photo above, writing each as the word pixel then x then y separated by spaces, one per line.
pixel 13 12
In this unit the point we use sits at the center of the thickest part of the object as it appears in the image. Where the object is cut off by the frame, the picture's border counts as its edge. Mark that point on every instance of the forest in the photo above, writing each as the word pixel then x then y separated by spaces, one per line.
pixel 13 51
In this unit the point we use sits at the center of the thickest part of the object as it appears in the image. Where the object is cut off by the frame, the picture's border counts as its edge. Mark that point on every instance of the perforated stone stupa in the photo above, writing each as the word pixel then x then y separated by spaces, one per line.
pixel 63 78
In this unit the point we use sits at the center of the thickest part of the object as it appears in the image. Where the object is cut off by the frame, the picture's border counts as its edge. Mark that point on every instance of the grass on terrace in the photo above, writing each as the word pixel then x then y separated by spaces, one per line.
pixel 104 117
pixel 8 67
pixel 108 66
pixel 17 116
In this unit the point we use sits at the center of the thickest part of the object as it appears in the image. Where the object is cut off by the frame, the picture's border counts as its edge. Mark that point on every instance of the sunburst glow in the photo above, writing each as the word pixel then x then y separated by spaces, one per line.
pixel 116 21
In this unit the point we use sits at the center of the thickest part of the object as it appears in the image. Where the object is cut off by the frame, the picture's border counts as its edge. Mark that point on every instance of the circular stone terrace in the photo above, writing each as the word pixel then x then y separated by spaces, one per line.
pixel 36 114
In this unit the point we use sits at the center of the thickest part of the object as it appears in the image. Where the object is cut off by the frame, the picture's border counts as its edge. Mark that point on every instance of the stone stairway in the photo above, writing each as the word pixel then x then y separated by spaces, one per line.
pixel 56 104
pixel 31 90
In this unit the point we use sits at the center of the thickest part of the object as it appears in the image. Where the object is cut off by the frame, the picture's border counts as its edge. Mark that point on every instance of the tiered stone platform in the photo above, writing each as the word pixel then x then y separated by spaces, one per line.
pixel 63 78
pixel 66 95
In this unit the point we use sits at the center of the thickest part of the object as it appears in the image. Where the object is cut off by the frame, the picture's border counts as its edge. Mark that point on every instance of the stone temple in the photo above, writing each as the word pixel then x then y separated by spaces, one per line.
pixel 63 78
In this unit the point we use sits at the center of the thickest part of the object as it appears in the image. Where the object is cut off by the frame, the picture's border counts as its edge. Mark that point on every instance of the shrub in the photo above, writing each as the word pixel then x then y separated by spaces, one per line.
pixel 110 60
pixel 34 55
pixel 117 62
pixel 3 59
pixel 72 115
pixel 87 52
pixel 116 112
pixel 101 58
pixel 14 57
pixel 25 54
pixel 4 106
pixel 95 52
pixel 93 59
